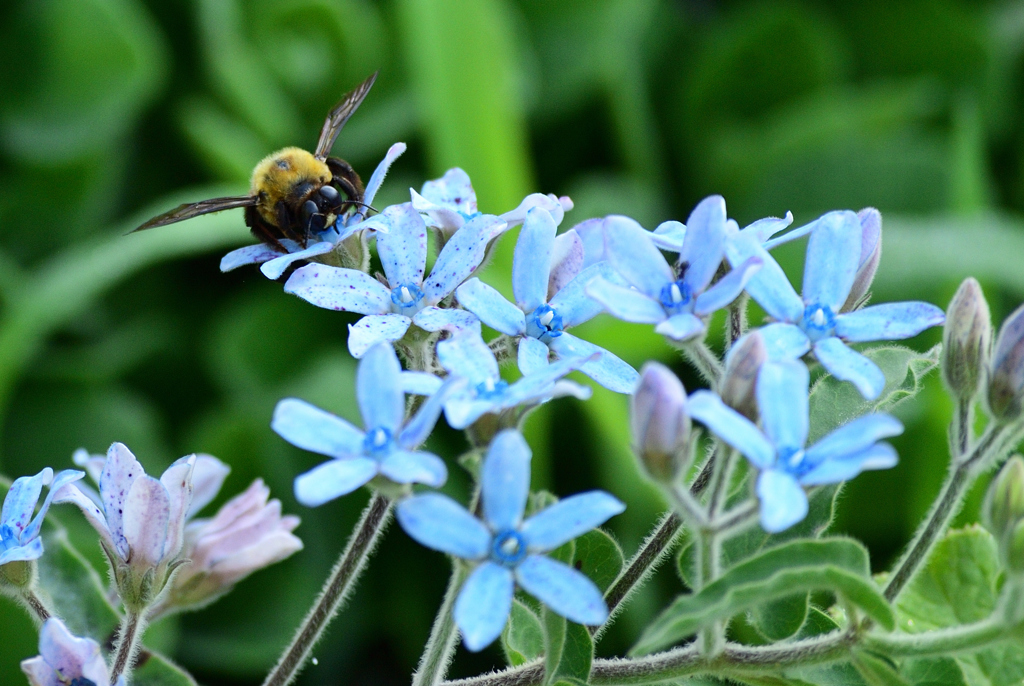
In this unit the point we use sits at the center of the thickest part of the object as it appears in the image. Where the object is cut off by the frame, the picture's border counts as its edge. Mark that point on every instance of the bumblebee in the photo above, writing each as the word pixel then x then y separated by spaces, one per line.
pixel 293 194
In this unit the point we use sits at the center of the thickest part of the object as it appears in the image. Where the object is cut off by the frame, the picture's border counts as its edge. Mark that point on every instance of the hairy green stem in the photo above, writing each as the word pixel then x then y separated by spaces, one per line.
pixel 444 635
pixel 129 639
pixel 736 324
pixel 709 550
pixel 959 639
pixel 365 536
pixel 962 474
pixel 35 605
pixel 705 361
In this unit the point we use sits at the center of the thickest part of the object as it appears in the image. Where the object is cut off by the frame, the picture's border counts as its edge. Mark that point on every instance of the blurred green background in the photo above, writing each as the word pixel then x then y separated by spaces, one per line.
pixel 112 110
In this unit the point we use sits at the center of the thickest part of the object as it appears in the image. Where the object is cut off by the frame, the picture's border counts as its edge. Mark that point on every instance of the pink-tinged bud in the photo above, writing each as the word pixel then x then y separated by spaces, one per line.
pixel 966 340
pixel 1006 380
pixel 660 423
pixel 1004 502
pixel 739 382
pixel 247 534
pixel 870 255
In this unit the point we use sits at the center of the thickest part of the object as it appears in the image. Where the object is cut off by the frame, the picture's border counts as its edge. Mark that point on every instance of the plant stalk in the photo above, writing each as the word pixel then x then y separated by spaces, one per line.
pixel 705 361
pixel 437 654
pixel 128 641
pixel 361 543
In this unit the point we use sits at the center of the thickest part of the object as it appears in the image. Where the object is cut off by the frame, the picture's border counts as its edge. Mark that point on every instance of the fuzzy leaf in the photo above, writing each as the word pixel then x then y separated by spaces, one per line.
pixel 839 565
pixel 877 671
pixel 780 618
pixel 523 637
pixel 598 557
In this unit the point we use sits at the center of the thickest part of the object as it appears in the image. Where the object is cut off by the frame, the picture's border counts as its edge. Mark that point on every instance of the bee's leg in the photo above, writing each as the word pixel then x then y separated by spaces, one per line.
pixel 261 230
pixel 287 224
pixel 346 177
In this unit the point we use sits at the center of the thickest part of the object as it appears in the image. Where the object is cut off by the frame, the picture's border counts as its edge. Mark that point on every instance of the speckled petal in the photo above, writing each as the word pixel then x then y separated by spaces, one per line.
pixel 491 307
pixel 375 328
pixel 119 473
pixel 440 523
pixel 403 249
pixel 556 207
pixel 563 589
pixel 273 269
pixel 483 605
pixel 147 511
pixel 377 178
pixel 62 479
pixel 531 264
pixel 461 255
pixel 566 261
pixel 435 319
pixel 72 493
pixel 333 479
pixel 177 481
pixel 32 550
pixel 21 500
pixel 250 254
pixel 454 190
pixel 888 322
pixel 847 364
pixel 343 290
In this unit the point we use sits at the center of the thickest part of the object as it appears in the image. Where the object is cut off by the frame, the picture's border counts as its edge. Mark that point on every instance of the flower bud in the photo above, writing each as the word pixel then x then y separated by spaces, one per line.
pixel 966 340
pixel 1015 549
pixel 740 379
pixel 1004 502
pixel 870 254
pixel 1006 379
pixel 660 423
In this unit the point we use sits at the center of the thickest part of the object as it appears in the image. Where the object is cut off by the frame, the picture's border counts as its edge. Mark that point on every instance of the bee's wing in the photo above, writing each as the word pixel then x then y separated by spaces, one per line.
pixel 194 209
pixel 339 115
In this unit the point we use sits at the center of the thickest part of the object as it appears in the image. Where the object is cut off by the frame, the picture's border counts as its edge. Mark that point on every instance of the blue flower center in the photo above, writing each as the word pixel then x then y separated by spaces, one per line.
pixel 490 388
pixel 406 297
pixel 508 548
pixel 8 538
pixel 676 297
pixel 819 322
pixel 790 459
pixel 544 323
pixel 378 442
pixel 469 217
pixel 81 681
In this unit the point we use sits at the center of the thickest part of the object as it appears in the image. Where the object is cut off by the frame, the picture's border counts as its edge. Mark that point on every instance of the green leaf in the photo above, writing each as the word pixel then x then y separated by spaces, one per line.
pixel 960 584
pixel 780 618
pixel 838 565
pixel 818 623
pixel 154 669
pixel 598 557
pixel 877 671
pixel 839 674
pixel 935 671
pixel 834 403
pixel 523 636
pixel 577 654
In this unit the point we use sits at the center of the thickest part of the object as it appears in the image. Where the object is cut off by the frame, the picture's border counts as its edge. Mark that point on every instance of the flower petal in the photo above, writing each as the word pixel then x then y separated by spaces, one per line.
pixel 562 589
pixel 847 364
pixel 607 370
pixel 532 356
pixel 436 319
pixel 763 229
pixel 556 207
pixel 379 389
pixel 732 427
pixel 842 468
pixel 889 321
pixel 454 190
pixel 785 341
pixel 31 550
pixel 483 605
pixel 333 479
pixel 680 326
pixel 68 654
pixel 119 473
pixel 438 522
pixel 728 288
pixel 342 290
pixel 669 236
pixel 531 264
pixel 782 400
pixel 72 493
pixel 21 501
pixel 569 518
pixel 310 428
pixel 566 261
pixel 374 329
pixel 505 480
pixel 770 286
pixel 147 512
pixel 491 307
pixel 462 409
pixel 833 253
pixel 854 437
pixel 420 383
pixel 783 501
pixel 403 249
pixel 466 355
pixel 573 304
pixel 250 254
pixel 62 479
pixel 419 426
pixel 625 303
pixel 704 245
pixel 591 232
pixel 635 257
pixel 461 255
pixel 208 476
pixel 411 467
pixel 377 178
pixel 177 482
pixel 273 269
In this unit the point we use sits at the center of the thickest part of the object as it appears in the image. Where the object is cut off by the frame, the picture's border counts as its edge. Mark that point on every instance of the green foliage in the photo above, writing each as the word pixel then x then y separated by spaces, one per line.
pixel 523 637
pixel 838 565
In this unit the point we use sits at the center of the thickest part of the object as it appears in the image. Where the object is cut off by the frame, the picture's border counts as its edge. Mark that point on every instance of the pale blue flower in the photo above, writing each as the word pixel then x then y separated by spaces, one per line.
pixel 677 299
pixel 815 322
pixel 449 202
pixel 466 356
pixel 275 263
pixel 66 660
pixel 19 530
pixel 549 290
pixel 778 451
pixel 409 296
pixel 509 550
pixel 387 447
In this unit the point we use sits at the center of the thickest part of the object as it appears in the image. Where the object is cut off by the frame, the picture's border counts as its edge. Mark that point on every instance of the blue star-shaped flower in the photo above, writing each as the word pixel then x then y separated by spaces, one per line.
pixel 675 299
pixel 466 356
pixel 540 323
pixel 815 322
pixel 19 530
pixel 779 450
pixel 274 264
pixel 508 549
pixel 408 297
pixel 387 447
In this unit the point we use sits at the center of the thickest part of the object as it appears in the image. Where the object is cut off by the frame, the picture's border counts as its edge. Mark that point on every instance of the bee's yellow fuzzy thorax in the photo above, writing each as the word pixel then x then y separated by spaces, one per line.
pixel 279 173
